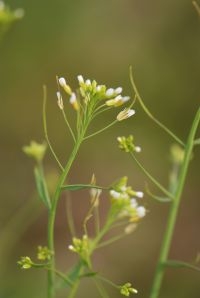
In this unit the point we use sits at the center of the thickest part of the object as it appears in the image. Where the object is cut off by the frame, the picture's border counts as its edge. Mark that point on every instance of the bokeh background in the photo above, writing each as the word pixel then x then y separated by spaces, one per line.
pixel 100 40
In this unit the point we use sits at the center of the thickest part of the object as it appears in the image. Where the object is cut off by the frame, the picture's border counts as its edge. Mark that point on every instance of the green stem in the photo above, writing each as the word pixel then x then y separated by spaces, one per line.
pixel 101 130
pixel 52 214
pixel 146 110
pixel 165 191
pixel 173 211
pixel 45 127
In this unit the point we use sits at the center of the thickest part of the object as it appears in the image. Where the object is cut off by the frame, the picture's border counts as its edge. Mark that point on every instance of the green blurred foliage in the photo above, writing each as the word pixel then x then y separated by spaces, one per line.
pixel 99 39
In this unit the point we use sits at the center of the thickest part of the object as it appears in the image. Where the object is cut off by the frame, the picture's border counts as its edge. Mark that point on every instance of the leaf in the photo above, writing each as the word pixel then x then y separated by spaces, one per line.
pixel 41 187
pixel 74 187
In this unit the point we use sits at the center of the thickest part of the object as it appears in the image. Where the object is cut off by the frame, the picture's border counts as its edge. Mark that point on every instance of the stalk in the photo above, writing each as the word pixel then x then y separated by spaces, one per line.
pixel 52 215
pixel 173 211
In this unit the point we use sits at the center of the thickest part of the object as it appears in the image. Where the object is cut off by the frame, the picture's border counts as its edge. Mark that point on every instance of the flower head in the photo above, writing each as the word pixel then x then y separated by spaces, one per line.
pixel 25 263
pixel 44 253
pixel 126 113
pixel 127 289
pixel 35 150
pixel 127 144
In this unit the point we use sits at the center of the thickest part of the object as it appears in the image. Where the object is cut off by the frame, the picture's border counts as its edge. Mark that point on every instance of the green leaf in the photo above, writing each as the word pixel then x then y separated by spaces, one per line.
pixel 74 187
pixel 41 187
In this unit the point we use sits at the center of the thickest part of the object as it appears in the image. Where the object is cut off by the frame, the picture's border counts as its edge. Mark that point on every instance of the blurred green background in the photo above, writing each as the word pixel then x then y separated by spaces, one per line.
pixel 100 40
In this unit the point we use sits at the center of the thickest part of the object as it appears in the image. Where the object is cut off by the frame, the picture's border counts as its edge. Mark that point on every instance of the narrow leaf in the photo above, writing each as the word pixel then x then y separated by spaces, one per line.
pixel 41 187
pixel 74 187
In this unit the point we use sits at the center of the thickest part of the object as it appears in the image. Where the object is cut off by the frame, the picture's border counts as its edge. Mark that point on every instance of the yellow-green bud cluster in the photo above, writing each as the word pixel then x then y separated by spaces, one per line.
pixel 127 144
pixel 35 150
pixel 125 201
pixel 25 263
pixel 81 247
pixel 127 289
pixel 44 253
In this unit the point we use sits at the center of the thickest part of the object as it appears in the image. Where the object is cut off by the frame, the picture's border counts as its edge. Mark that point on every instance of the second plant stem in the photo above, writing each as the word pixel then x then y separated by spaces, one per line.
pixel 173 210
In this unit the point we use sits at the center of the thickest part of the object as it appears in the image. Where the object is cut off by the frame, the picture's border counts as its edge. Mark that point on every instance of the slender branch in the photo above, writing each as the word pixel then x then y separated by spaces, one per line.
pixel 68 125
pixel 45 127
pixel 165 191
pixel 101 130
pixel 174 209
pixel 146 110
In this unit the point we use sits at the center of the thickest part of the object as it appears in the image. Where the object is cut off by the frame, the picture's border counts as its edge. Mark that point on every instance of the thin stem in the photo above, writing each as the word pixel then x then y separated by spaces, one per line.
pixel 165 191
pixel 68 125
pixel 45 127
pixel 173 210
pixel 52 214
pixel 101 130
pixel 146 110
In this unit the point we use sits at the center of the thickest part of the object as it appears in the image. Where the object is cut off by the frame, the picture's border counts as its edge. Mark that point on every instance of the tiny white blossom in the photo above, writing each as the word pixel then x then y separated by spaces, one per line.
pixel 138 149
pixel 19 13
pixel 62 82
pixel 110 92
pixel 72 98
pixel 126 113
pixel 134 203
pixel 88 83
pixel 60 101
pixel 118 90
pixel 139 194
pixel 80 79
pixel 71 247
pixel 141 211
pixel 115 194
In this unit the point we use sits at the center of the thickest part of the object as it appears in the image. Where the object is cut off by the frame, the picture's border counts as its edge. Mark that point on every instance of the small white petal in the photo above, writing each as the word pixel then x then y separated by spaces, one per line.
pixel 88 83
pixel 115 194
pixel 125 98
pixel 118 90
pixel 71 247
pixel 80 79
pixel 134 203
pixel 139 194
pixel 109 92
pixel 72 98
pixel 138 149
pixel 62 82
pixel 141 211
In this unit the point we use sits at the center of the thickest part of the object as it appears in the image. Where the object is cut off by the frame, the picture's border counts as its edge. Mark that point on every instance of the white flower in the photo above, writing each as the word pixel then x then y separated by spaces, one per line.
pixel 115 194
pixel 141 211
pixel 62 82
pixel 118 90
pixel 80 79
pixel 134 203
pixel 137 149
pixel 139 194
pixel 126 113
pixel 73 101
pixel 110 92
pixel 60 101
pixel 88 83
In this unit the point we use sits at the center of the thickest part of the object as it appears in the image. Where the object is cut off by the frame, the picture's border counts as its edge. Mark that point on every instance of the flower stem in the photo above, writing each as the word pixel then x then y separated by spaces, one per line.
pixel 146 110
pixel 173 210
pixel 52 215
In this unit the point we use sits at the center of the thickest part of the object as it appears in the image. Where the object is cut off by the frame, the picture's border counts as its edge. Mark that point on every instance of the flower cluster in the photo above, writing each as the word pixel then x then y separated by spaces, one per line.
pixel 125 201
pixel 81 247
pixel 35 150
pixel 127 289
pixel 44 253
pixel 92 95
pixel 25 263
pixel 127 144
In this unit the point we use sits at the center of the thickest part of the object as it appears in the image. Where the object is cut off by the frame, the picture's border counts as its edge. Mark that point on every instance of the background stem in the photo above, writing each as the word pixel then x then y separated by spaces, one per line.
pixel 173 211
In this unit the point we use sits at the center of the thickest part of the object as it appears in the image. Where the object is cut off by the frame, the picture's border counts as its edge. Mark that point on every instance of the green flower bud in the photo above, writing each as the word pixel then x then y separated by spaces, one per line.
pixel 35 150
